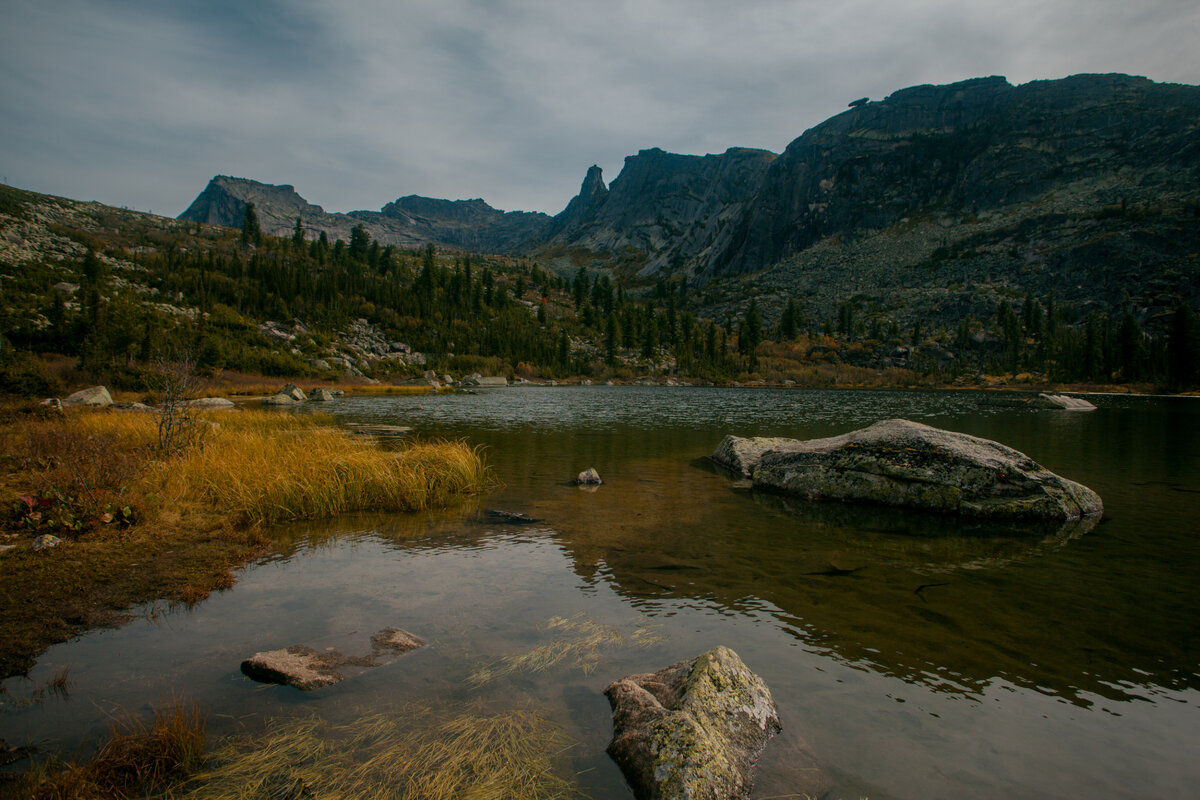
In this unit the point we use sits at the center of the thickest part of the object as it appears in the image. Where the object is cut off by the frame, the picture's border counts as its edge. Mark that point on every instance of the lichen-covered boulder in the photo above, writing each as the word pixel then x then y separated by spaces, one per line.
pixel 97 396
pixel 902 463
pixel 693 730
pixel 293 391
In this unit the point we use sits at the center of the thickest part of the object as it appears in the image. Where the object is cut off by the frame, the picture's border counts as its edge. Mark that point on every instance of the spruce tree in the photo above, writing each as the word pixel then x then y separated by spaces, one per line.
pixel 251 232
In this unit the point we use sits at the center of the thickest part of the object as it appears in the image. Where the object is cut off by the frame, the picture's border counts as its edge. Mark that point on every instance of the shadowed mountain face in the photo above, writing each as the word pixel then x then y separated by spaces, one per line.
pixel 1088 186
pixel 407 222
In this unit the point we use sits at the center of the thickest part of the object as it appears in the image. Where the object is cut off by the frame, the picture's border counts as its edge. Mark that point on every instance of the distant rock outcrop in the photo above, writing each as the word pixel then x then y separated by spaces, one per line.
pixel 408 222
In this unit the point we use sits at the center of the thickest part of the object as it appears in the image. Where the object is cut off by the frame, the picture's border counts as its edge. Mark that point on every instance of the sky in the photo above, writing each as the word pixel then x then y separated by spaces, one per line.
pixel 138 103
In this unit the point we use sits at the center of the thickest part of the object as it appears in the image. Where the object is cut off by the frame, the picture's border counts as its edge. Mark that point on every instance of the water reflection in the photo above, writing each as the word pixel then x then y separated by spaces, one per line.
pixel 911 656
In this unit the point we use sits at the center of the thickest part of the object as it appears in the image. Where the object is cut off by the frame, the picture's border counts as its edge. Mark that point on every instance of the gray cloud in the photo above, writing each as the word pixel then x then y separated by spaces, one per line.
pixel 356 103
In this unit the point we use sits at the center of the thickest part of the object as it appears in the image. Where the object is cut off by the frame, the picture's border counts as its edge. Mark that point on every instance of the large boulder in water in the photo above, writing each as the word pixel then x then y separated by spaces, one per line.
pixel 902 463
pixel 692 730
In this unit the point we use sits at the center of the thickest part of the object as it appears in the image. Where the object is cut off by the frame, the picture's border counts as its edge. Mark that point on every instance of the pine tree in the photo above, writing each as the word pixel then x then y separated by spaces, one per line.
pixel 251 232
pixel 298 234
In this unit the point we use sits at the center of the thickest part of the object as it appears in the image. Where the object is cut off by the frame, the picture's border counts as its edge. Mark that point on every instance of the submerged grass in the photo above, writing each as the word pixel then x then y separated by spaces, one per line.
pixel 139 759
pixel 578 642
pixel 416 753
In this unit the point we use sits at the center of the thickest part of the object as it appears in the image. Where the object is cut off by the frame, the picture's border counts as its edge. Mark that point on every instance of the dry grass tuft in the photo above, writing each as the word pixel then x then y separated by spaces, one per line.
pixel 137 760
pixel 411 755
pixel 578 643
pixel 270 467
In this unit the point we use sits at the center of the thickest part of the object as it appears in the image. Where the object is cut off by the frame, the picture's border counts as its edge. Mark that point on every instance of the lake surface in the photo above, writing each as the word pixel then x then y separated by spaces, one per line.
pixel 910 657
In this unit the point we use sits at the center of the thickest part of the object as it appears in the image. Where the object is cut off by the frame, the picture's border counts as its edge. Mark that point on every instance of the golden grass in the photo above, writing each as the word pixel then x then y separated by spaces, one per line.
pixel 412 754
pixel 138 759
pixel 578 642
pixel 269 467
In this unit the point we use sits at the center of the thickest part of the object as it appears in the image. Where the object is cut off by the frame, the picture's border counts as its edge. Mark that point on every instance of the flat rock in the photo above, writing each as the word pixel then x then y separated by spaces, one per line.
pixel 211 402
pixel 381 431
pixel 692 730
pixel 97 396
pixel 1062 401
pixel 902 463
pixel 307 668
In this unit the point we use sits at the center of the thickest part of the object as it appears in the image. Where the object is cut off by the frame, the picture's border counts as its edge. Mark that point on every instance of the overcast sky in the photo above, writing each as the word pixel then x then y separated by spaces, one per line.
pixel 140 102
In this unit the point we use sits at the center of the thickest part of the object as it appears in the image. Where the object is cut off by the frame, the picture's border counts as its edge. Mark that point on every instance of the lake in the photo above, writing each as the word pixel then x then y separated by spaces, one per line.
pixel 910 656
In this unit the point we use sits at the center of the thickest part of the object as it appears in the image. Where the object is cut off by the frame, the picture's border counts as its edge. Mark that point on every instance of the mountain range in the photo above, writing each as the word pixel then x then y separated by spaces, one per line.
pixel 1088 186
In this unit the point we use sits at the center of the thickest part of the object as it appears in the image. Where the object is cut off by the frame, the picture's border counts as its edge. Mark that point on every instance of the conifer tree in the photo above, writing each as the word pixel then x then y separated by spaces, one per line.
pixel 251 232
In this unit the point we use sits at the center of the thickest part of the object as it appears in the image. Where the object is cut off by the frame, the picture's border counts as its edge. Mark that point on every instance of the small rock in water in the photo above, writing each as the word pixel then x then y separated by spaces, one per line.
pixel 307 668
pixel 1062 401
pixel 510 517
pixel 589 477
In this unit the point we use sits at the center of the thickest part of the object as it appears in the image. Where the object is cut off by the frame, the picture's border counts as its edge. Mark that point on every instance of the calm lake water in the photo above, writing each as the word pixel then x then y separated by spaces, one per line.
pixel 910 657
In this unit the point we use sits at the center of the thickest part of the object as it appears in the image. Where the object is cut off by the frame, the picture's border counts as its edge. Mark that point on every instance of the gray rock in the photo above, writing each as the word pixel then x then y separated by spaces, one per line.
pixel 293 391
pixel 1061 401
pixel 742 453
pixel 211 402
pixel 321 394
pixel 307 668
pixel 902 463
pixel 589 477
pixel 320 364
pixel 97 396
pixel 46 541
pixel 126 405
pixel 53 403
pixel 280 400
pixel 491 381
pixel 692 730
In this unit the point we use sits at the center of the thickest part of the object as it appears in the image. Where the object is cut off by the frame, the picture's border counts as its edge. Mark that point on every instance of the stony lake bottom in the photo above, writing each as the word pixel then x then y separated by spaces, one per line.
pixel 910 656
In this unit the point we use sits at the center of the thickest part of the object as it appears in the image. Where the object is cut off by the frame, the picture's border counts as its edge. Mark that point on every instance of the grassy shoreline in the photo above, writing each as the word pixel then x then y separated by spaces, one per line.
pixel 138 526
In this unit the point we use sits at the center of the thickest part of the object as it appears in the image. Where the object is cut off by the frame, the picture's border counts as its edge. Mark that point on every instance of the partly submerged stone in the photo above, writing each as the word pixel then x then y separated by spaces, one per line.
pixel 293 391
pixel 280 400
pixel 589 477
pixel 93 396
pixel 307 668
pixel 902 463
pixel 321 394
pixel 211 402
pixel 692 730
pixel 1062 401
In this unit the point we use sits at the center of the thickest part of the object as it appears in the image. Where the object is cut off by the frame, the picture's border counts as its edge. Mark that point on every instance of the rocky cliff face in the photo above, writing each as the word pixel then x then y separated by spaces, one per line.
pixel 408 222
pixel 669 208
pixel 976 147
